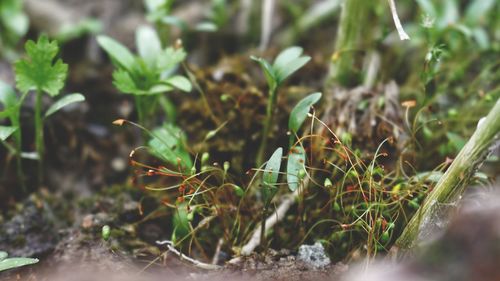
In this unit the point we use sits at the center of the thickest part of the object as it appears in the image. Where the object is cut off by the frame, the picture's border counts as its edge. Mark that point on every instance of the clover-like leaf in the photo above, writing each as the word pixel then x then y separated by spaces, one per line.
pixel 300 111
pixel 66 100
pixel 38 71
pixel 295 165
pixel 270 176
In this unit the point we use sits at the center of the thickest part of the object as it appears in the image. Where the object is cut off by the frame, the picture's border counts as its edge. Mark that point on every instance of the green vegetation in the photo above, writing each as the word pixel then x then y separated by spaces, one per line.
pixel 361 145
pixel 285 64
pixel 10 263
pixel 147 75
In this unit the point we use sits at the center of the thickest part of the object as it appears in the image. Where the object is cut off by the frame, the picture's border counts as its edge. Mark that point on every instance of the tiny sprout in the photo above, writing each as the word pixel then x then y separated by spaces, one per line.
pixel 193 170
pixel 328 183
pixel 226 166
pixel 225 97
pixel 106 232
pixel 286 63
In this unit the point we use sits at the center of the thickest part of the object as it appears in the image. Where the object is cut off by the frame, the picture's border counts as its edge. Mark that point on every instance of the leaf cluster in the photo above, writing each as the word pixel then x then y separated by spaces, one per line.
pixel 151 71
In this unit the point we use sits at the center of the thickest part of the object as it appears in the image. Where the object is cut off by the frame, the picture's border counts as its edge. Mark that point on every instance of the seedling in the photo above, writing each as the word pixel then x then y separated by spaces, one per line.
pixel 39 72
pixel 269 189
pixel 149 74
pixel 10 263
pixel 286 63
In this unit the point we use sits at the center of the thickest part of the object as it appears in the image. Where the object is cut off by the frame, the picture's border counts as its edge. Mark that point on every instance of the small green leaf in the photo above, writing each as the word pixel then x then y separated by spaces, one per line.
pixel 6 132
pixel 38 71
pixel 295 164
pixel 300 111
pixel 124 82
pixel 181 224
pixel 180 82
pixel 270 176
pixel 238 190
pixel 148 44
pixel 118 53
pixel 268 72
pixel 168 144
pixel 170 58
pixel 10 263
pixel 287 56
pixel 66 100
pixel 289 69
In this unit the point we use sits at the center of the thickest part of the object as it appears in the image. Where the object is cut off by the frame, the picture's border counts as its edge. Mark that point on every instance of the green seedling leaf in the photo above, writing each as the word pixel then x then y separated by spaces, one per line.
pixel 10 263
pixel 300 111
pixel 180 82
pixel 182 228
pixel 295 166
pixel 67 100
pixel 290 68
pixel 168 144
pixel 38 71
pixel 8 100
pixel 6 132
pixel 170 58
pixel 268 72
pixel 118 53
pixel 270 176
pixel 148 44
pixel 124 82
pixel 287 56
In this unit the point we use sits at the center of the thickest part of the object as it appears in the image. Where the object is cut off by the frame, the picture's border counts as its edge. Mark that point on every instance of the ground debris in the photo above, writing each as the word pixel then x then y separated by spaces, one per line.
pixel 313 256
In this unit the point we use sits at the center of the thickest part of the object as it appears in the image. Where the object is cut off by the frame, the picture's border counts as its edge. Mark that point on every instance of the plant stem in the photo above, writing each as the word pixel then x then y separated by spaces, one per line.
pixel 353 32
pixel 39 133
pixel 273 97
pixel 453 183
pixel 18 142
pixel 263 240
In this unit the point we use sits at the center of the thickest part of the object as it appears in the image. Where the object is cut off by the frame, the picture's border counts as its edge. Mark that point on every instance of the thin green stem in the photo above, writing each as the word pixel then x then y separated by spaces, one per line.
pixel 273 97
pixel 18 145
pixel 39 133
